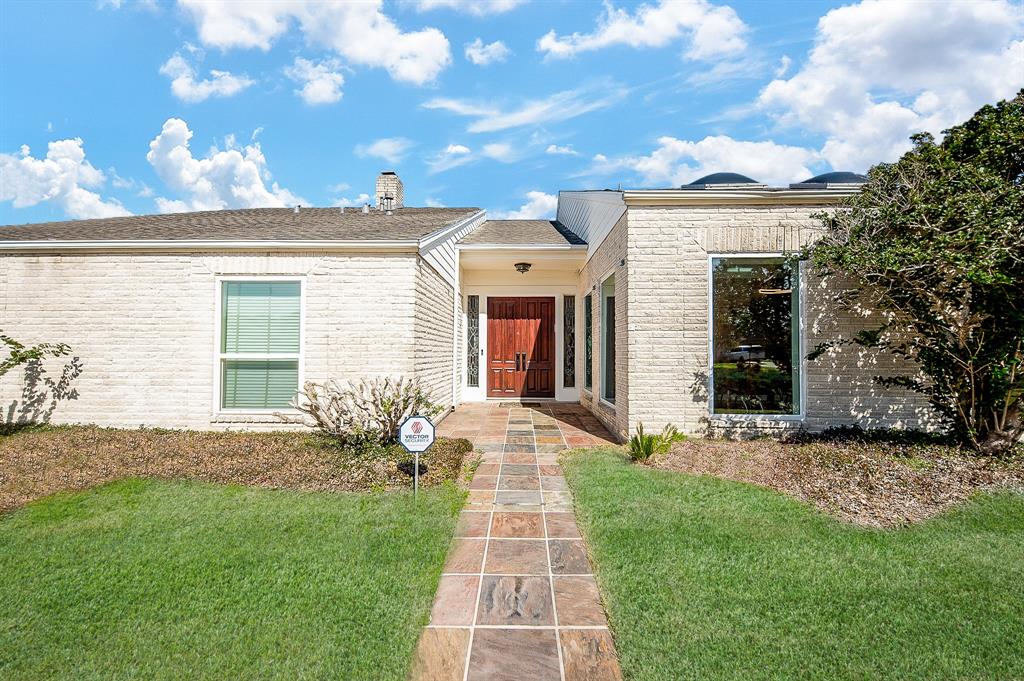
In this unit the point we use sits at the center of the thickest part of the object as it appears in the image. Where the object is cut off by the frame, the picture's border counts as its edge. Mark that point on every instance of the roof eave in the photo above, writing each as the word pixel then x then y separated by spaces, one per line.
pixel 521 247
pixel 679 197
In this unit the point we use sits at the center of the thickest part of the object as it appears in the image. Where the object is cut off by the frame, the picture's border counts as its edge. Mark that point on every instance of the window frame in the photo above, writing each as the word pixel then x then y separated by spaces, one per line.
pixel 602 395
pixel 801 339
pixel 219 357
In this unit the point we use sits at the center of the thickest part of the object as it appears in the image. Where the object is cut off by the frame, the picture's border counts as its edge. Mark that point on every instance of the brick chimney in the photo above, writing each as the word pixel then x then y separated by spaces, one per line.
pixel 390 193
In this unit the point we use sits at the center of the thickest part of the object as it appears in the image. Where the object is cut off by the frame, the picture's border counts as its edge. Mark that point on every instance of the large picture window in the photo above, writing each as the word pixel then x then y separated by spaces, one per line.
pixel 608 339
pixel 259 343
pixel 755 312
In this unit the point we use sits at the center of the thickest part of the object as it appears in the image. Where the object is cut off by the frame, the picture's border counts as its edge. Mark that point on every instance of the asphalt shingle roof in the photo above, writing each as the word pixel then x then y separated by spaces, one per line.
pixel 249 224
pixel 526 232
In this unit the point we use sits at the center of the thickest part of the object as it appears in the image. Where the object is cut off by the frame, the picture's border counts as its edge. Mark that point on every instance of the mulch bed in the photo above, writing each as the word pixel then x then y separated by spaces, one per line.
pixel 868 483
pixel 40 461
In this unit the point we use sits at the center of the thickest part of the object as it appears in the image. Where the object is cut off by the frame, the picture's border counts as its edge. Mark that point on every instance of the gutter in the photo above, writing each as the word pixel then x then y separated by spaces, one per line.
pixel 410 246
pixel 521 247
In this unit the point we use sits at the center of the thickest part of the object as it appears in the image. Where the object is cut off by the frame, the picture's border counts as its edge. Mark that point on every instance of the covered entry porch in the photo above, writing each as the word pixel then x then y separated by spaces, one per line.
pixel 520 312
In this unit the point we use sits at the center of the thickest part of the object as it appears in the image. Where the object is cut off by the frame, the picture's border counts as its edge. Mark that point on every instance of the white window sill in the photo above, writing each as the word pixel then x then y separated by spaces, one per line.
pixel 253 416
pixel 767 420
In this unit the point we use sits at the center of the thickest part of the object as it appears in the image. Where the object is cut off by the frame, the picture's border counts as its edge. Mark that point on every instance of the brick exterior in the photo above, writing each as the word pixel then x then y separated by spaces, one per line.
pixel 605 261
pixel 668 340
pixel 144 327
pixel 434 322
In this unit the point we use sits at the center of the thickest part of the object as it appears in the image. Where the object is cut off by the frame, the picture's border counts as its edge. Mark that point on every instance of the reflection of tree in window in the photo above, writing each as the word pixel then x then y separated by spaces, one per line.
pixel 755 340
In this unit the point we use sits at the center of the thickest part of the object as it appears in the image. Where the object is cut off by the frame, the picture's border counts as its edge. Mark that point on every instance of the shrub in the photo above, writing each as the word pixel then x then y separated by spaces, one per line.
pixel 642 446
pixel 934 241
pixel 363 413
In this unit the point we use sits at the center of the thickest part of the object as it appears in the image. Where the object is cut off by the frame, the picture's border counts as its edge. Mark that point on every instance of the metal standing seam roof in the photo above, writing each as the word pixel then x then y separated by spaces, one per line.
pixel 248 224
pixel 522 232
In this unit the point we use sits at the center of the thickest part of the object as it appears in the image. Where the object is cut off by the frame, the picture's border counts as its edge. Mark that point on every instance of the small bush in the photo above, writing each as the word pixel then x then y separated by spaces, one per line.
pixel 642 446
pixel 364 413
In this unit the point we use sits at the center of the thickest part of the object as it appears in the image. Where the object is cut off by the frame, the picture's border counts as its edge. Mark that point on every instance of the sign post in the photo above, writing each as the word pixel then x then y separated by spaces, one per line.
pixel 416 434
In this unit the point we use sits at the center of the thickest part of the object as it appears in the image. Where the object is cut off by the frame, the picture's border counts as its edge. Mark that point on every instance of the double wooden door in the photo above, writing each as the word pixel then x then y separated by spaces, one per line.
pixel 520 347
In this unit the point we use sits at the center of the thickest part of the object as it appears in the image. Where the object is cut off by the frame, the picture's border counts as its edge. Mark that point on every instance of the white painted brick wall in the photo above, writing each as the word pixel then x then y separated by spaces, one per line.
pixel 144 327
pixel 605 261
pixel 668 322
pixel 434 327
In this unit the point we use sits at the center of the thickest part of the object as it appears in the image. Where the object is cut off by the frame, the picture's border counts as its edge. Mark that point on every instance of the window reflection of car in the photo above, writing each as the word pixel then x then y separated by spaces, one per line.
pixel 745 353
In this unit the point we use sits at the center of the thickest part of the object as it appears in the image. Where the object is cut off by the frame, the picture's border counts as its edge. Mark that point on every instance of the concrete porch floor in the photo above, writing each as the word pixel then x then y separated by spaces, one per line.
pixel 518 600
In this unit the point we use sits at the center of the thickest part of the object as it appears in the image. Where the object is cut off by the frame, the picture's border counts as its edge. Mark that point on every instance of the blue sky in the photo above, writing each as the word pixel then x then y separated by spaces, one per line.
pixel 140 107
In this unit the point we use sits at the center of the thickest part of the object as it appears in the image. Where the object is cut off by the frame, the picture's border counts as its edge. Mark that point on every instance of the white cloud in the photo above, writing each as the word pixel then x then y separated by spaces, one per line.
pixel 482 55
pixel 358 201
pixel 538 206
pixel 228 178
pixel 560 106
pixel 452 156
pixel 391 149
pixel 475 7
pixel 500 151
pixel 783 68
pixel 561 150
pixel 711 31
pixel 186 88
pixel 676 162
pixel 357 31
pixel 431 202
pixel 880 71
pixel 321 82
pixel 64 177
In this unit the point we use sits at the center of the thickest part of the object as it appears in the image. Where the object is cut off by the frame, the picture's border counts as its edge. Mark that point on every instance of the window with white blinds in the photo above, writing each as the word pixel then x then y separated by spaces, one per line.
pixel 259 344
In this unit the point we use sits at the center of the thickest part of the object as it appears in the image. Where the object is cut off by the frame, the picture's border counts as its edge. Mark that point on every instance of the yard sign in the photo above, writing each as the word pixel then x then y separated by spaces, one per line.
pixel 416 434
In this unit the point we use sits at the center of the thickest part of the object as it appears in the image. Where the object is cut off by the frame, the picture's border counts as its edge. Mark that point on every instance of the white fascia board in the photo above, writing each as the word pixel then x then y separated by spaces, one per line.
pixel 178 246
pixel 449 229
pixel 521 247
pixel 703 197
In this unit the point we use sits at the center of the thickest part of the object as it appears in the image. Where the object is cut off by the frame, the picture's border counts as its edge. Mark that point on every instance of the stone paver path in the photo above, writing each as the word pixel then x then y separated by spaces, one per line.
pixel 517 601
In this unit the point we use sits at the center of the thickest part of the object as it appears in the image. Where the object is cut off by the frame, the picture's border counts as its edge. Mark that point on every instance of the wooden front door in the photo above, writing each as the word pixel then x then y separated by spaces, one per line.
pixel 520 347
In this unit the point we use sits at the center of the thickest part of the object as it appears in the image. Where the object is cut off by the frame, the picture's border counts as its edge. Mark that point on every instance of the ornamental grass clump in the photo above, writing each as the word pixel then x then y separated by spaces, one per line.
pixel 643 445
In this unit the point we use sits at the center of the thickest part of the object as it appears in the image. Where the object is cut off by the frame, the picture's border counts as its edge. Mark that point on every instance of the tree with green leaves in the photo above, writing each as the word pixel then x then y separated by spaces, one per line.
pixel 937 241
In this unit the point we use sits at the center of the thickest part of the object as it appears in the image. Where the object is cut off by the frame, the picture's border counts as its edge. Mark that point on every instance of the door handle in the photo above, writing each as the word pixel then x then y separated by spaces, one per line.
pixel 517 361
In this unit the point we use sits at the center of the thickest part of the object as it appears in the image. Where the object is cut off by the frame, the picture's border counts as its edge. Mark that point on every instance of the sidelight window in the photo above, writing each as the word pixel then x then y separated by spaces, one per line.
pixel 755 336
pixel 588 342
pixel 569 341
pixel 473 341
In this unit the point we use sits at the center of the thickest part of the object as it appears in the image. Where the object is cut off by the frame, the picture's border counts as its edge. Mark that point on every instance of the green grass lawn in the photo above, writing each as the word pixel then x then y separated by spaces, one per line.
pixel 705 578
pixel 141 579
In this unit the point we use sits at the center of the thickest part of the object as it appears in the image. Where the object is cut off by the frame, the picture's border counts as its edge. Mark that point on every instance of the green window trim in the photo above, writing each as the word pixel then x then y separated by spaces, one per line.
pixel 259 344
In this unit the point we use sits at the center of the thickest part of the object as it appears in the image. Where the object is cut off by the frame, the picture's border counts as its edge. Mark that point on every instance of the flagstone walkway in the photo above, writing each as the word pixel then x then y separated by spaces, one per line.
pixel 517 601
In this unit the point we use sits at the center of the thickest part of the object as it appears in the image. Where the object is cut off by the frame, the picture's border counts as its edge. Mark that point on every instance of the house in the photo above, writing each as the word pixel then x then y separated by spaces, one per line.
pixel 631 302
